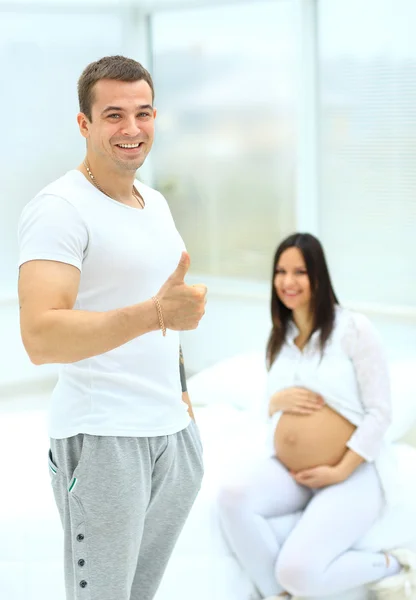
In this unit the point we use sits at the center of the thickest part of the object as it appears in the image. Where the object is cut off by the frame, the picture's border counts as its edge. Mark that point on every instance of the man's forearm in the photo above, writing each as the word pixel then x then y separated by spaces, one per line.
pixel 187 400
pixel 66 336
pixel 185 395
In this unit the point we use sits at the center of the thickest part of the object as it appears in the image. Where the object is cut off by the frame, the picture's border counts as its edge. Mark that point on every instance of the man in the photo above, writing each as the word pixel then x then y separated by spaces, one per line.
pixel 102 292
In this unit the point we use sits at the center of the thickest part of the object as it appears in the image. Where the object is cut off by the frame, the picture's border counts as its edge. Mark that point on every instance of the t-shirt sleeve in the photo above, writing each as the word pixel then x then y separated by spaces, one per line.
pixel 50 228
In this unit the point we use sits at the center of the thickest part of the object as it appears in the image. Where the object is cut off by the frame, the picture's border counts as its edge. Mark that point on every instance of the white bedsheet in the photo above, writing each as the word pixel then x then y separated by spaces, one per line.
pixel 201 566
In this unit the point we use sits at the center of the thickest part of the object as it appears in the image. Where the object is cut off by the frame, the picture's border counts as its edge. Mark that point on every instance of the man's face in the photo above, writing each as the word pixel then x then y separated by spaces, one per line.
pixel 122 126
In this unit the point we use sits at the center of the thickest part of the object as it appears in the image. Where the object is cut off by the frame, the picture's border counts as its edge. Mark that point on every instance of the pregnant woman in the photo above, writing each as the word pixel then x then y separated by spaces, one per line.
pixel 329 409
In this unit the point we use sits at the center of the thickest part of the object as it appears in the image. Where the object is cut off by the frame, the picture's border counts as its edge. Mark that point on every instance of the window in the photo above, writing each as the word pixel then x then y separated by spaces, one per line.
pixel 225 151
pixel 368 152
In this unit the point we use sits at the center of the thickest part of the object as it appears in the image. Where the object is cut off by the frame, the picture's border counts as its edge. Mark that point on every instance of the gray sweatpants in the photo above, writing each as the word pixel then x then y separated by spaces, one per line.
pixel 123 502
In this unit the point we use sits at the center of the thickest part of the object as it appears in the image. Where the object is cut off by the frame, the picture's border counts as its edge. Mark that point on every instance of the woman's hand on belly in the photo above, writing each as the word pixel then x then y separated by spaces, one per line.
pixel 319 477
pixel 296 401
pixel 324 475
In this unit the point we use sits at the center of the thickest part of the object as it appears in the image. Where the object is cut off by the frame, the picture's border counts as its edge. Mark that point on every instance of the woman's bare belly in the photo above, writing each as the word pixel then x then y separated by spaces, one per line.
pixel 305 441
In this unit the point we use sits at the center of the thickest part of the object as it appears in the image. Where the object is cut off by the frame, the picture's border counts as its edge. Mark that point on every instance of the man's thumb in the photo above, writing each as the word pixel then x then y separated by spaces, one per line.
pixel 183 266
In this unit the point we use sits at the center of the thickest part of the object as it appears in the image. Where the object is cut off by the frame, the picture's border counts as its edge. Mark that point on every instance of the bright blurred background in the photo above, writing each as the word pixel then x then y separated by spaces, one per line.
pixel 274 116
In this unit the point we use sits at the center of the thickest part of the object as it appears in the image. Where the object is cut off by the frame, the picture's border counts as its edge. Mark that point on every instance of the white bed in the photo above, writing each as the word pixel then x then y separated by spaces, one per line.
pixel 201 566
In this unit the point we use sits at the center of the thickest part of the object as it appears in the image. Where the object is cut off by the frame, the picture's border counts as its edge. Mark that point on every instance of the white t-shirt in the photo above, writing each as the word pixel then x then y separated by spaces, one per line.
pixel 124 255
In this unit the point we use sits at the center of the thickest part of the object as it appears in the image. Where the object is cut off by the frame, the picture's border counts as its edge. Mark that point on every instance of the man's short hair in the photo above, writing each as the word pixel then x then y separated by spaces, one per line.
pixel 118 68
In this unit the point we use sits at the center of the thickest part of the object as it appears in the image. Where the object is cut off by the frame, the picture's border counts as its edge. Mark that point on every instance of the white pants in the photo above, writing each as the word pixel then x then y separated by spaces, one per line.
pixel 317 557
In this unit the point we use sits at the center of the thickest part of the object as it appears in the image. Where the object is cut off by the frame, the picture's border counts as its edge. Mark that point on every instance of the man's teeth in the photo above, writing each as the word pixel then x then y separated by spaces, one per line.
pixel 128 145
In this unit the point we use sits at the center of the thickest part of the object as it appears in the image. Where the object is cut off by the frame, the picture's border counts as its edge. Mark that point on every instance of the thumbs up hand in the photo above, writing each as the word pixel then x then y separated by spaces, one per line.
pixel 183 306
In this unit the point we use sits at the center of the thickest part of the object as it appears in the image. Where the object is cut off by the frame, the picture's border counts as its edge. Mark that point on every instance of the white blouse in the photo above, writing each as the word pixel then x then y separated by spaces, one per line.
pixel 351 375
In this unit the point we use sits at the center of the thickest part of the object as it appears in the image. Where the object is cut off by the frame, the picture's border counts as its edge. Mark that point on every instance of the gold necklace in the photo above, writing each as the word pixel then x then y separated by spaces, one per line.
pixel 136 194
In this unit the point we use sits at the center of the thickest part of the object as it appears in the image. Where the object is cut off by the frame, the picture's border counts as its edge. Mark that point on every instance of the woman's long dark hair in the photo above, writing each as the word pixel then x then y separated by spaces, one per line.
pixel 323 298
